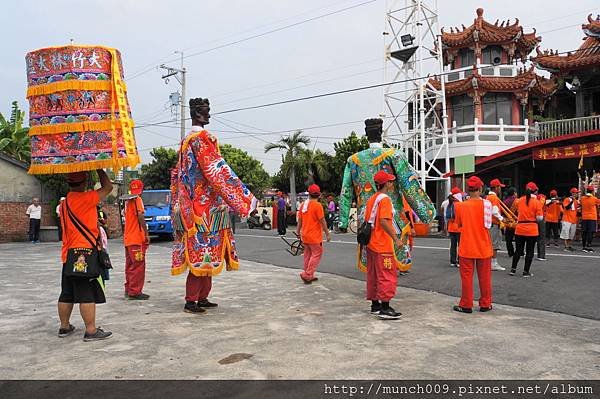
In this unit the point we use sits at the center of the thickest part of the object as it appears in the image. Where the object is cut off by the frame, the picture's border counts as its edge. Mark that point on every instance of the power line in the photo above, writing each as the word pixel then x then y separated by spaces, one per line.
pixel 257 36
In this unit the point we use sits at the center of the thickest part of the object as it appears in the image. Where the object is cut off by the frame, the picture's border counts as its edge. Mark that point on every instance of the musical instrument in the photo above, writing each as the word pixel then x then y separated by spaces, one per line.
pixel 510 219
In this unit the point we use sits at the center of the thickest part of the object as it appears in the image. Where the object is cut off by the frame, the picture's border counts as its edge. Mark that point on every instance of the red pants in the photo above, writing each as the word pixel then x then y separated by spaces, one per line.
pixel 135 269
pixel 382 277
pixel 312 258
pixel 484 274
pixel 197 288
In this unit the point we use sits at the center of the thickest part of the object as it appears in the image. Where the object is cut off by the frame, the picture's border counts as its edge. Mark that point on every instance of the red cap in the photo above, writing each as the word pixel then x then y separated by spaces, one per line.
pixel 574 190
pixel 590 188
pixel 497 183
pixel 455 190
pixel 136 187
pixel 382 177
pixel 474 182
pixel 531 186
pixel 314 189
pixel 553 193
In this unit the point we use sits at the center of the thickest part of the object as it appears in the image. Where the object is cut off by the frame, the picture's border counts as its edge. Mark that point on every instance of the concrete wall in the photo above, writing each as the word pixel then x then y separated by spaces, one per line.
pixel 16 185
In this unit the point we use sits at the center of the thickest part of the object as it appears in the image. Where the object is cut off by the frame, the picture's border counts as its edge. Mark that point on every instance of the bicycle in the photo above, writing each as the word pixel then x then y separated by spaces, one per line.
pixel 352 223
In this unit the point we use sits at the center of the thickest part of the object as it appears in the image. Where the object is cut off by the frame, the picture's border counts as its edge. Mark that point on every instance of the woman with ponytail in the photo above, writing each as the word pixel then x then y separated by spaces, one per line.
pixel 529 211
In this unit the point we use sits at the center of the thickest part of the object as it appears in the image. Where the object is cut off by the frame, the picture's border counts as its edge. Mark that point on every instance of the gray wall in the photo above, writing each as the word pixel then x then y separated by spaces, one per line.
pixel 17 186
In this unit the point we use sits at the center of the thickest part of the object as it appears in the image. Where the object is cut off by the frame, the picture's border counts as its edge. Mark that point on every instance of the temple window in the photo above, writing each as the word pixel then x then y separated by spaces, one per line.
pixel 497 106
pixel 491 55
pixel 462 110
pixel 466 56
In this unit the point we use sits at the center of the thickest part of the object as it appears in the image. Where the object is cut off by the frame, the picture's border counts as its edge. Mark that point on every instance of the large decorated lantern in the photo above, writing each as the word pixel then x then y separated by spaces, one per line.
pixel 79 116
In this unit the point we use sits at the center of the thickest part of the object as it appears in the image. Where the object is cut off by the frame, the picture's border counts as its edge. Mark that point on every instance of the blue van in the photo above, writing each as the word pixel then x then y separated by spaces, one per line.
pixel 157 204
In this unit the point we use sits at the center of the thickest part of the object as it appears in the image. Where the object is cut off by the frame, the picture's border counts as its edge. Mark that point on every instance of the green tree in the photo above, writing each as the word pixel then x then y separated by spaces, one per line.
pixel 250 171
pixel 14 138
pixel 292 145
pixel 343 150
pixel 157 174
pixel 317 164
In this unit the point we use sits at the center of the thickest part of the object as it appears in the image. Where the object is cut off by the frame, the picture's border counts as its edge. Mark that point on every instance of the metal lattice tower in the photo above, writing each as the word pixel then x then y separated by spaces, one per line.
pixel 415 112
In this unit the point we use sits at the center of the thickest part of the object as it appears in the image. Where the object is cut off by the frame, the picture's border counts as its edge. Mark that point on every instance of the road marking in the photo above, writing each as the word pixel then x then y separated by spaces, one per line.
pixel 416 246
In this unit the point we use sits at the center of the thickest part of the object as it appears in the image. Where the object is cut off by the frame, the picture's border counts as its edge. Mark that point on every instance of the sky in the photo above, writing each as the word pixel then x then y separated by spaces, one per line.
pixel 327 53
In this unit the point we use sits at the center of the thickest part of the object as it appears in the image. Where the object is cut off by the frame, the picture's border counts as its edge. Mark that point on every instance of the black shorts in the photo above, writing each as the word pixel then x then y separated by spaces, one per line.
pixel 81 290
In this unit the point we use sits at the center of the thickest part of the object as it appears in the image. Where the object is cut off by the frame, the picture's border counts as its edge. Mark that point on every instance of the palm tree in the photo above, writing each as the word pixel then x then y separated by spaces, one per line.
pixel 14 138
pixel 293 146
pixel 318 163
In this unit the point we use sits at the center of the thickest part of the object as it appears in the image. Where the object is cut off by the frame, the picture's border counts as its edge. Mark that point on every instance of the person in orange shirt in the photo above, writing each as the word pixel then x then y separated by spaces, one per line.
pixel 382 277
pixel 589 218
pixel 136 240
pixel 552 213
pixel 495 232
pixel 541 242
pixel 454 199
pixel 474 219
pixel 81 204
pixel 530 212
pixel 569 219
pixel 311 226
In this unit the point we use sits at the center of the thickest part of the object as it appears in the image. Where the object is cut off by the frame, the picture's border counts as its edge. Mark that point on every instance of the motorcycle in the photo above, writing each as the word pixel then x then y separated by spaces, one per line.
pixel 254 221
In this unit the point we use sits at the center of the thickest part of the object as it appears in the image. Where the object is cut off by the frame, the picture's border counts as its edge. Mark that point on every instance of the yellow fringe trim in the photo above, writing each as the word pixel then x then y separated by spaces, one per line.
pixel 63 85
pixel 86 126
pixel 384 155
pixel 115 164
pixel 212 271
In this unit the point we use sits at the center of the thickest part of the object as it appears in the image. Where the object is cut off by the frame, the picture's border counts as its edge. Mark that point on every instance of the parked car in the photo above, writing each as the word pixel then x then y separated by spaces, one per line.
pixel 157 204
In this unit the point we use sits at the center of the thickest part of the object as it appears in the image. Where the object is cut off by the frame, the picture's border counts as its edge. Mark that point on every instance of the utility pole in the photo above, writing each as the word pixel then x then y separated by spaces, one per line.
pixel 179 74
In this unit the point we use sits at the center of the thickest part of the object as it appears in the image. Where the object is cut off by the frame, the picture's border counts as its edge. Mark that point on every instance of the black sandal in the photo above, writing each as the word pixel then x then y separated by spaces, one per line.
pixel 462 310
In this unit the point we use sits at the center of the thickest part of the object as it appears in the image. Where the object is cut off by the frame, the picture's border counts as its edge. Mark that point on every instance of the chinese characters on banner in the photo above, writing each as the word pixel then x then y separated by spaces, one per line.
pixel 570 151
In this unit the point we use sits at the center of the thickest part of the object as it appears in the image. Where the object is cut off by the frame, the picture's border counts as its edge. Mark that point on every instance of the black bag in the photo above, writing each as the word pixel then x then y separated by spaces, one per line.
pixel 363 236
pixel 364 233
pixel 85 262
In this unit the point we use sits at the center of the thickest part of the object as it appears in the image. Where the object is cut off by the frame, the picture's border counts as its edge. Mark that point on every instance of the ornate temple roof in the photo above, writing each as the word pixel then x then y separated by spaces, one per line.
pixel 587 55
pixel 484 33
pixel 524 81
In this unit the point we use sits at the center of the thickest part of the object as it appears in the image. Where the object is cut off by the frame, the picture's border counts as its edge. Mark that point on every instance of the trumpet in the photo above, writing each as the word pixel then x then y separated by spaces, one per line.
pixel 510 219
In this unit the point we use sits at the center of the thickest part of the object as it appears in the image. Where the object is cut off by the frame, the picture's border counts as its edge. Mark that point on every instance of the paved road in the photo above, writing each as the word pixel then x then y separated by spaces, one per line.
pixel 565 283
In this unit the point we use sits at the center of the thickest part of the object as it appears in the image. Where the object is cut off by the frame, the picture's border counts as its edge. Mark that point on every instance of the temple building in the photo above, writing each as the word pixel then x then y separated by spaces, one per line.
pixel 518 124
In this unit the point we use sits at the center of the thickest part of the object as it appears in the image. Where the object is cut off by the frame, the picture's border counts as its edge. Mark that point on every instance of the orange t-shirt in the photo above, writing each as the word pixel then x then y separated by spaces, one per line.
pixel 312 232
pixel 493 198
pixel 589 205
pixel 527 217
pixel 570 212
pixel 380 241
pixel 452 225
pixel 553 210
pixel 83 206
pixel 475 241
pixel 134 233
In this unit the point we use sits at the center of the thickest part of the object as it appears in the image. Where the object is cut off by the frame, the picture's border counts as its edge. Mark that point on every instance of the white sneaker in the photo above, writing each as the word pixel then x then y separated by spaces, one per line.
pixel 498 268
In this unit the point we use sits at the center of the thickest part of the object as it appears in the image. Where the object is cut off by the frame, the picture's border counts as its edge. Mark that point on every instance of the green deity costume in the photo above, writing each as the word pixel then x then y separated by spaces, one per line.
pixel 358 184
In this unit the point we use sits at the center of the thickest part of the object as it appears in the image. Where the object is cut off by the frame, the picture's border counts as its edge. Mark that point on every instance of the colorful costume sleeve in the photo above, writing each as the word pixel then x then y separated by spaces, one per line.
pixel 346 195
pixel 411 189
pixel 204 188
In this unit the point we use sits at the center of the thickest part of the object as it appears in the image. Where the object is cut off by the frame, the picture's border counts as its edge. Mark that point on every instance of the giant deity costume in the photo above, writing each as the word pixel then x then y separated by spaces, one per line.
pixel 203 189
pixel 358 183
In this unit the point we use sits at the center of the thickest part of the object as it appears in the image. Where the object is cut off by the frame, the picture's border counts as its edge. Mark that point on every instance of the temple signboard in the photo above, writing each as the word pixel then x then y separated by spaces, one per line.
pixel 570 151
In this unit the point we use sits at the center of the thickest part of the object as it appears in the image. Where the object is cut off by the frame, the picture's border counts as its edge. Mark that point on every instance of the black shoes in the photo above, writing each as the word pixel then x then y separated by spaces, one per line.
pixel 139 297
pixel 375 309
pixel 460 309
pixel 65 332
pixel 205 303
pixel 99 335
pixel 485 309
pixel 389 314
pixel 527 274
pixel 512 272
pixel 192 307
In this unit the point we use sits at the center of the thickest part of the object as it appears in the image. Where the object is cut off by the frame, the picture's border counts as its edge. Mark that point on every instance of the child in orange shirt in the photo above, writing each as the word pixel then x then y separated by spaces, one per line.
pixel 474 219
pixel 311 225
